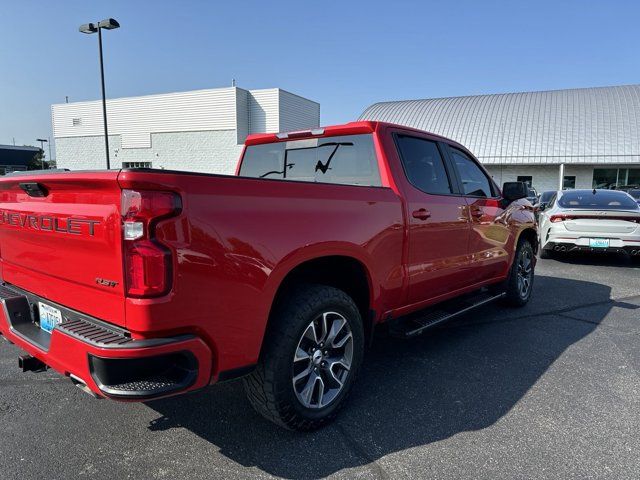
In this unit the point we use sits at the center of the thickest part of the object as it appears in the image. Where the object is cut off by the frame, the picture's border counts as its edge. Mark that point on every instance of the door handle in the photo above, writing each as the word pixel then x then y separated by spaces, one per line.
pixel 421 214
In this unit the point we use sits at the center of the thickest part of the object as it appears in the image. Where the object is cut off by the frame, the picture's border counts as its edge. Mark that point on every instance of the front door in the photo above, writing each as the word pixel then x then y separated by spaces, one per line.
pixel 437 260
pixel 489 235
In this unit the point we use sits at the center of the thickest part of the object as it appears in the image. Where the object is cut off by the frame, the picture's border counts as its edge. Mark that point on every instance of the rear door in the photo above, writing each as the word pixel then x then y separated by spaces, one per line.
pixel 489 234
pixel 60 238
pixel 437 218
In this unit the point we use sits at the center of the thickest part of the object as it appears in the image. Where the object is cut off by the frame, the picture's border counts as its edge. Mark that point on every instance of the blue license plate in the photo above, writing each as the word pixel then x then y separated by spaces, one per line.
pixel 49 317
pixel 599 242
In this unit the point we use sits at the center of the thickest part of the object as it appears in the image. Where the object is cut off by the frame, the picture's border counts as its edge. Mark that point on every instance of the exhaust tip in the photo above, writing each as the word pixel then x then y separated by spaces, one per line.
pixel 81 384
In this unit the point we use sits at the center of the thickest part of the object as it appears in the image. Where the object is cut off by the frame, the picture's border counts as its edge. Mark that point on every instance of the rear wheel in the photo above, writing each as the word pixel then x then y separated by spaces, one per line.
pixel 520 282
pixel 312 354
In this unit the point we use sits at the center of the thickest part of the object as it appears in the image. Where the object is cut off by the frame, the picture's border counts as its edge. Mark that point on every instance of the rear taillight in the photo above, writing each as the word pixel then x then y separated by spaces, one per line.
pixel 562 218
pixel 147 261
pixel 558 218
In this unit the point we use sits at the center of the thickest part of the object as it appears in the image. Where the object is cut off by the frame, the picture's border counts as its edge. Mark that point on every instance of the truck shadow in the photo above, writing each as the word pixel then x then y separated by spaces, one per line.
pixel 462 377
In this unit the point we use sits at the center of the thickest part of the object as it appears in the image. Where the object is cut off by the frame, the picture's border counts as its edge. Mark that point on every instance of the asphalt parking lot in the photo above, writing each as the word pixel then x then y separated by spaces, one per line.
pixel 548 391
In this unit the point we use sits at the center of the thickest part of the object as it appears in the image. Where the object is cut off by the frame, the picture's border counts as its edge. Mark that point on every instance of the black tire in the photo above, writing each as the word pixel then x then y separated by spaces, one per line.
pixel 515 296
pixel 270 388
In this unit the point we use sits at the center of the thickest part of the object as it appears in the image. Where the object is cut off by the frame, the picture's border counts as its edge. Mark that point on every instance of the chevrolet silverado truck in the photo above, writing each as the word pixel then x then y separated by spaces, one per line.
pixel 138 284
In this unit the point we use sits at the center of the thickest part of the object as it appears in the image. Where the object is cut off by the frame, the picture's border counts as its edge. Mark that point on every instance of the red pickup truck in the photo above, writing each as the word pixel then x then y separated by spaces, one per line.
pixel 140 284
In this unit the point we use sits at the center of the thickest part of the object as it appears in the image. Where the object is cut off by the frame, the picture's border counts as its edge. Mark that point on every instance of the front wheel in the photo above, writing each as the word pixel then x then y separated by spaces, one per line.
pixel 520 282
pixel 312 353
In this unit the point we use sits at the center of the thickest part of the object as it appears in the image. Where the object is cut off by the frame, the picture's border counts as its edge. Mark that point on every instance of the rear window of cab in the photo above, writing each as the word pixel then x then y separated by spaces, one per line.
pixel 343 160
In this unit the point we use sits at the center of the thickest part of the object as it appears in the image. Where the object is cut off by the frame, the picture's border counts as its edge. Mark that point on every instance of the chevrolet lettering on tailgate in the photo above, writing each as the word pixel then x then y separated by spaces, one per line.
pixel 71 225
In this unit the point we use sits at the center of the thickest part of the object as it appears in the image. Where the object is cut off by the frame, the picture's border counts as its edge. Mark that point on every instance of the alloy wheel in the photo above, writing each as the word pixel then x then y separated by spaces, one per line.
pixel 525 272
pixel 322 361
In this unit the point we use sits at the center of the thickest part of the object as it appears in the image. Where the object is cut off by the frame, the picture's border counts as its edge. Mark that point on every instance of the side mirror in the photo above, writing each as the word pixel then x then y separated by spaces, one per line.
pixel 542 206
pixel 512 191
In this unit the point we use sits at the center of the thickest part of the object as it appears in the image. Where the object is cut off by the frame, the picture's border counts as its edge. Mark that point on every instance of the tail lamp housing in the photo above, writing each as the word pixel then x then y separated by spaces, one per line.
pixel 562 217
pixel 558 218
pixel 147 261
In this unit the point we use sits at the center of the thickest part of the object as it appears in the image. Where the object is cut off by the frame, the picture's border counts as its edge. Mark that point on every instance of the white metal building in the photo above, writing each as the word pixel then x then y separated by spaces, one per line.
pixel 578 138
pixel 200 131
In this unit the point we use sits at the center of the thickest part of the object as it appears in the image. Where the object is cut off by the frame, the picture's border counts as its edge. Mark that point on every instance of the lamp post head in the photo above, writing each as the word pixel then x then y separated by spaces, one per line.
pixel 41 140
pixel 109 24
pixel 88 28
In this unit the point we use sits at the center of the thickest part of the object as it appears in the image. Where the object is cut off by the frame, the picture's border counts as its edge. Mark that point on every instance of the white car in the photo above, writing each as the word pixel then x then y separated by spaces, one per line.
pixel 590 220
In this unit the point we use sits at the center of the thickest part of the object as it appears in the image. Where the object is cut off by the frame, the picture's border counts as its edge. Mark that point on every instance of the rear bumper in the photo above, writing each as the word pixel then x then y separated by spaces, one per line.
pixel 102 357
pixel 559 238
pixel 565 245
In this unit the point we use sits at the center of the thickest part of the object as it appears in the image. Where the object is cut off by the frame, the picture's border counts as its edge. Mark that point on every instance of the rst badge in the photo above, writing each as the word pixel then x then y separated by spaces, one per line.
pixel 106 283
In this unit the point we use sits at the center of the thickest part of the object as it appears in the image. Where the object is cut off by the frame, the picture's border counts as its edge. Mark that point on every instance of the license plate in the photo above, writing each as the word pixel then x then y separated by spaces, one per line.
pixel 49 317
pixel 599 242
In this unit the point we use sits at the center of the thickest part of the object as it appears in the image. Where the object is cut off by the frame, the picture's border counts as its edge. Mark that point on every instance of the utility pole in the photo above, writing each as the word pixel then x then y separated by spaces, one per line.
pixel 42 142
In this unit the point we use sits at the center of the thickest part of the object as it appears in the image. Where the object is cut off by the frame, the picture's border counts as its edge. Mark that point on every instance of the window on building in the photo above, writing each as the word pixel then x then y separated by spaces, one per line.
pixel 615 177
pixel 474 182
pixel 136 165
pixel 569 182
pixel 423 165
pixel 528 179
pixel 633 177
pixel 76 122
pixel 346 160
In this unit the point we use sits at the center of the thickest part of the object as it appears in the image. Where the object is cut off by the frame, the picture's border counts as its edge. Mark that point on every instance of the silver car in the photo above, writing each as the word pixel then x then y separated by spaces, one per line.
pixel 590 220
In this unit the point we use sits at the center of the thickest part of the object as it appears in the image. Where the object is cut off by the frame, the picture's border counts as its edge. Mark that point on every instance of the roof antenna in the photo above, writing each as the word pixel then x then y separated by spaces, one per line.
pixel 233 82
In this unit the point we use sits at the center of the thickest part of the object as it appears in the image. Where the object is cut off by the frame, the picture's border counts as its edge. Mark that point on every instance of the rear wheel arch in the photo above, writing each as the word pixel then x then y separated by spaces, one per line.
pixel 531 235
pixel 343 272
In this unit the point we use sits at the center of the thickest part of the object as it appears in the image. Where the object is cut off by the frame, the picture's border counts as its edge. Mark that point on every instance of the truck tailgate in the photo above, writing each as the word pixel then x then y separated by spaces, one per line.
pixel 60 238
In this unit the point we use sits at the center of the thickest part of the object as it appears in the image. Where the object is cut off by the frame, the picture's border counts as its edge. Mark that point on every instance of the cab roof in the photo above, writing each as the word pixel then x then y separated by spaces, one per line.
pixel 351 128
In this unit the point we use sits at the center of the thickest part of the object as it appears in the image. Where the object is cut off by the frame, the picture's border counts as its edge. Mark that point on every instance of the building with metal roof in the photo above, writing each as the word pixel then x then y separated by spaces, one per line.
pixel 578 138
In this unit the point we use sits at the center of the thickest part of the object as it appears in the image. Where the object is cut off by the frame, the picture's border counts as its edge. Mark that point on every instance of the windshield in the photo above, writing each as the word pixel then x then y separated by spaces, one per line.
pixel 347 160
pixel 600 200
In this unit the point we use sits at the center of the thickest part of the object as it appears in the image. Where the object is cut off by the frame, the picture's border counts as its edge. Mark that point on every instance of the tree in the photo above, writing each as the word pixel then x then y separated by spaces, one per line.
pixel 37 162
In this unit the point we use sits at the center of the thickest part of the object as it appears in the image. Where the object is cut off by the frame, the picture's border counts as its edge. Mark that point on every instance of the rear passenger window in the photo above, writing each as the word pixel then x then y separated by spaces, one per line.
pixel 423 165
pixel 474 182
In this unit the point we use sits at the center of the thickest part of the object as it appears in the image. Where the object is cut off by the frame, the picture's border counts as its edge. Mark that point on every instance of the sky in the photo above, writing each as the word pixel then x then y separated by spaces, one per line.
pixel 344 54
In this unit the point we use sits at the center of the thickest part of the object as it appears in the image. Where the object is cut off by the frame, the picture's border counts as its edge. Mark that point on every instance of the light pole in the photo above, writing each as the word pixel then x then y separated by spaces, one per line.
pixel 107 24
pixel 42 142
